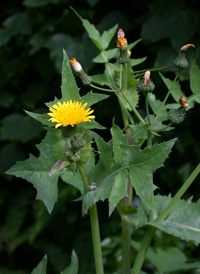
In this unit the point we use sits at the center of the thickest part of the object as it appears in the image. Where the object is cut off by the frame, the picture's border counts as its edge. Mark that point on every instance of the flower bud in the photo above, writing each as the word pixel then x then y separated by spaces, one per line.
pixel 145 86
pixel 177 115
pixel 180 61
pixel 78 69
pixel 123 55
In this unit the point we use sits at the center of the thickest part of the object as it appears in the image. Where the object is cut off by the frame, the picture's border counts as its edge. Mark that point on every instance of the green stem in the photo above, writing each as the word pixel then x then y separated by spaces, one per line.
pixel 149 135
pixel 126 247
pixel 150 231
pixel 143 250
pixel 153 69
pixel 103 89
pixel 94 224
pixel 126 230
pixel 133 108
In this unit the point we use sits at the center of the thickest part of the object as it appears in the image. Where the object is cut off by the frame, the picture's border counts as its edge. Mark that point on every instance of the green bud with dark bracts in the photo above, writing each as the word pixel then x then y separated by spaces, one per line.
pixel 122 56
pixel 177 115
pixel 68 153
pixel 180 61
pixel 88 136
pixel 145 88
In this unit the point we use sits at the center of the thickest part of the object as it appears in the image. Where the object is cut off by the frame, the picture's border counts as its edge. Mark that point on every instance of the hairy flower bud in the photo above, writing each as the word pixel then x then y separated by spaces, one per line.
pixel 123 55
pixel 78 69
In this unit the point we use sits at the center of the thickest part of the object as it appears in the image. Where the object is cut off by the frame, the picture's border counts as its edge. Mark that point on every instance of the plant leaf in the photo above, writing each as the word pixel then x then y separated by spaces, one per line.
pixel 93 98
pixel 35 170
pixel 73 267
pixel 119 189
pixel 69 88
pixel 173 87
pixel 195 81
pixel 142 164
pixel 41 268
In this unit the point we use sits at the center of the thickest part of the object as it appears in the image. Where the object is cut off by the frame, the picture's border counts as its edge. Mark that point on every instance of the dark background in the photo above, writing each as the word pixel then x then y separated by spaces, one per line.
pixel 32 36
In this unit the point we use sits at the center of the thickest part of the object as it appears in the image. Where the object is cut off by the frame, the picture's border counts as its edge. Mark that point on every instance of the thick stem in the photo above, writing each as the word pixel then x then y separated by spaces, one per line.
pixel 126 248
pixel 94 224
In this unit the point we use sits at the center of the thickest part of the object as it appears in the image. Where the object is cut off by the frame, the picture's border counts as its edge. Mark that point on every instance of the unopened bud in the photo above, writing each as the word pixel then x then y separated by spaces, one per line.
pixel 177 115
pixel 146 85
pixel 180 61
pixel 120 34
pixel 78 69
pixel 76 65
pixel 146 77
pixel 183 102
pixel 186 47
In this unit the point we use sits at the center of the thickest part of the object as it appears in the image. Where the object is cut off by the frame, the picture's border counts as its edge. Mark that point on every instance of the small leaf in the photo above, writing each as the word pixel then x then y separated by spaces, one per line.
pixel 135 62
pixel 93 98
pixel 43 118
pixel 107 36
pixel 73 267
pixel 105 56
pixel 174 88
pixel 41 268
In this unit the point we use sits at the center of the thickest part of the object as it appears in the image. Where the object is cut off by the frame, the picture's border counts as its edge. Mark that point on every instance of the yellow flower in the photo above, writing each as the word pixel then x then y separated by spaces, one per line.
pixel 122 43
pixel 70 113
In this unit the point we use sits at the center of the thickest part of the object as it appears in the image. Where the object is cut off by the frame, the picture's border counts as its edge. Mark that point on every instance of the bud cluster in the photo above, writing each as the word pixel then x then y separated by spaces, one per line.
pixel 76 144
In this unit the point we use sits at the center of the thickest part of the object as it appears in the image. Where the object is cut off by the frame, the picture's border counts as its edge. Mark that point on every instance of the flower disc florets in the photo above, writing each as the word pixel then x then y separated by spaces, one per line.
pixel 70 113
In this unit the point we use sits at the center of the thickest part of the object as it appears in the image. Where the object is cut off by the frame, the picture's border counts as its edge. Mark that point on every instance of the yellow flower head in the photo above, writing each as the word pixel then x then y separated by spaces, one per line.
pixel 69 113
pixel 122 43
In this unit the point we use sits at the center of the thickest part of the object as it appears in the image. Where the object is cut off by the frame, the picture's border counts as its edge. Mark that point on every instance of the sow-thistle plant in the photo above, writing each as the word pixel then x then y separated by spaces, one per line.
pixel 127 162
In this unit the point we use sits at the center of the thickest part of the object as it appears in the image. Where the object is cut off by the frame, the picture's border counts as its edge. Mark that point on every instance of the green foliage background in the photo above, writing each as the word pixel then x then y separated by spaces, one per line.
pixel 33 34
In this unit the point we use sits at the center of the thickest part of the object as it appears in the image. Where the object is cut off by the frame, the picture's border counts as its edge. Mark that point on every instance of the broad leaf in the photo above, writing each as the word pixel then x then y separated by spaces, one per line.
pixel 181 222
pixel 73 267
pixel 135 62
pixel 41 268
pixel 35 170
pixel 142 164
pixel 168 259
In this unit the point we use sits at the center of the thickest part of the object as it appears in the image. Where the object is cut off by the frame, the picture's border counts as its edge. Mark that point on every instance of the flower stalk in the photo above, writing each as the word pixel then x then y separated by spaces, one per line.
pixel 94 224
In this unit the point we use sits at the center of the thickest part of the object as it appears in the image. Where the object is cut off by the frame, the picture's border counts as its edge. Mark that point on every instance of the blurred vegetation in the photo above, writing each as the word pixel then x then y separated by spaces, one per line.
pixel 32 36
